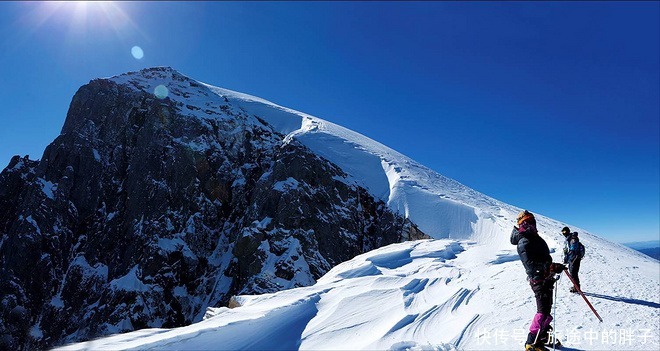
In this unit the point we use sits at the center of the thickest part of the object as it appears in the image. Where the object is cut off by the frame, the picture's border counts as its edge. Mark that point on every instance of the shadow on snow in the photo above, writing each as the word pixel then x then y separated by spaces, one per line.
pixel 623 299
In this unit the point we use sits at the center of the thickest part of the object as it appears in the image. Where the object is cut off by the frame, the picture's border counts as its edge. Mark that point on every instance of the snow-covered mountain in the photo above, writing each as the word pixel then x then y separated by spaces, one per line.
pixel 338 194
pixel 148 208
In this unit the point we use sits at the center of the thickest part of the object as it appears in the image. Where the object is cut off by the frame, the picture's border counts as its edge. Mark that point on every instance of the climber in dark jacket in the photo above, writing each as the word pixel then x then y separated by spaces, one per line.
pixel 572 255
pixel 535 256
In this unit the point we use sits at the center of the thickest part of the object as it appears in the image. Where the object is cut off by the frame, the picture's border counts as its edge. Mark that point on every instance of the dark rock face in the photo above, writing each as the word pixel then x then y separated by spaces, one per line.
pixel 146 211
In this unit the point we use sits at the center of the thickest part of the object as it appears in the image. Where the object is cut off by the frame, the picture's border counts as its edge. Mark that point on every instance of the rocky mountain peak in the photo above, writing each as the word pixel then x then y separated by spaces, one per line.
pixel 160 198
pixel 162 74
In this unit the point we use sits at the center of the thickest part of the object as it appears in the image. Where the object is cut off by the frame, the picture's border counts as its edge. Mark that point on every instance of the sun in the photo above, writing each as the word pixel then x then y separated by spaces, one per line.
pixel 85 4
pixel 82 17
pixel 78 25
pixel 93 13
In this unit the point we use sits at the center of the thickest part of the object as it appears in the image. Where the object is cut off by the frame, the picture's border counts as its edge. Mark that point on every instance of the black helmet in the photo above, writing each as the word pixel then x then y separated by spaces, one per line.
pixel 566 231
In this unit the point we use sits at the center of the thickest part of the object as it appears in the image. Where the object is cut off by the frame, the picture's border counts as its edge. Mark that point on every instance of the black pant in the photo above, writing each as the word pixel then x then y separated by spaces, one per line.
pixel 573 268
pixel 543 294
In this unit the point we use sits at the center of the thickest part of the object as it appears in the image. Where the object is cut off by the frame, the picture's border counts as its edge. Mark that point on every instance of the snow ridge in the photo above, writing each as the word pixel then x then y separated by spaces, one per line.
pixel 441 207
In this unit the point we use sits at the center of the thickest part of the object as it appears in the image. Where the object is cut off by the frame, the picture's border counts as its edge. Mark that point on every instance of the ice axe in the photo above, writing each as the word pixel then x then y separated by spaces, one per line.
pixel 582 294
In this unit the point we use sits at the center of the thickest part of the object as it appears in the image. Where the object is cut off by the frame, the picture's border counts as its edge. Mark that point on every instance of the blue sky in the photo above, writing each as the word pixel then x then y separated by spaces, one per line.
pixel 551 106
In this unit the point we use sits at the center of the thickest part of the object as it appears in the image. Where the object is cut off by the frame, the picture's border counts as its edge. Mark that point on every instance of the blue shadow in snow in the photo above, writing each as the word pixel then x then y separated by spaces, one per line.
pixel 504 258
pixel 392 260
pixel 625 300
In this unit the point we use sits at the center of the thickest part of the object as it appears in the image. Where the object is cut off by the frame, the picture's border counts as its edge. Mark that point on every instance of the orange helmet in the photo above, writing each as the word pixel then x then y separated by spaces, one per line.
pixel 524 216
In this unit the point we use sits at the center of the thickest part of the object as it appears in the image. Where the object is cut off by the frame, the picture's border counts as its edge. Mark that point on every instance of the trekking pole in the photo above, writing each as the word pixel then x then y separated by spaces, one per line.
pixel 582 294
pixel 554 321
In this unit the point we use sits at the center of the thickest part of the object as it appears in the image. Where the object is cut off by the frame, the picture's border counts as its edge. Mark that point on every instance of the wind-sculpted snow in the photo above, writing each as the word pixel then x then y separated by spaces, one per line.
pixel 345 310
pixel 425 295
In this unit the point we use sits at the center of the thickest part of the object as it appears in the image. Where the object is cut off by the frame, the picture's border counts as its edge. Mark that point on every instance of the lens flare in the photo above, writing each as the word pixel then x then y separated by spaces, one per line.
pixel 81 21
pixel 137 52
pixel 161 92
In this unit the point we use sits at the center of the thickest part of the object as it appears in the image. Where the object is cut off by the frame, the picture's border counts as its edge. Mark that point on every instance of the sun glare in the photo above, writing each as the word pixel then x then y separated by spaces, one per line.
pixel 82 18
pixel 81 22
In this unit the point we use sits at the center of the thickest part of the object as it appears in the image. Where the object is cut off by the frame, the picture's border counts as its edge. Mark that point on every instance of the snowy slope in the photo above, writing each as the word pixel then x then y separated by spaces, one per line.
pixel 440 206
pixel 465 290
pixel 435 295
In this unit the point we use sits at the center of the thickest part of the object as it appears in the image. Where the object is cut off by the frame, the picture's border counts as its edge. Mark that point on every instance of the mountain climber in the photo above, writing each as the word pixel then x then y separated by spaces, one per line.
pixel 535 256
pixel 573 253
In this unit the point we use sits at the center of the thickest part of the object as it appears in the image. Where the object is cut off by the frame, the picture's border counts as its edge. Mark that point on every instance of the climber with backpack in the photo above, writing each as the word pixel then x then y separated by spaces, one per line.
pixel 573 254
pixel 541 273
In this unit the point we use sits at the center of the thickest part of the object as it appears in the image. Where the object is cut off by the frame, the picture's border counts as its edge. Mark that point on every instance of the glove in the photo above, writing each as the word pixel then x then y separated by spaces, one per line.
pixel 557 268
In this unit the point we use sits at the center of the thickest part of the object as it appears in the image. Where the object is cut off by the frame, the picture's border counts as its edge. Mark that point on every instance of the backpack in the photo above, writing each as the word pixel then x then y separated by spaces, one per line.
pixel 581 250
